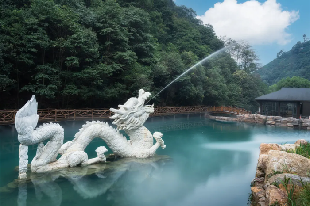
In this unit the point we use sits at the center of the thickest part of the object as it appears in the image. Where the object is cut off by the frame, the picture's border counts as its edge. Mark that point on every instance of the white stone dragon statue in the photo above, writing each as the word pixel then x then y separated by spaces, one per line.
pixel 130 117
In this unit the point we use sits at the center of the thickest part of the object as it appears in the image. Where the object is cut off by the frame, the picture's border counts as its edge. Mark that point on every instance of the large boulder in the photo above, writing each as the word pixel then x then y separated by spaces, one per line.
pixel 301 142
pixel 284 120
pixel 293 179
pixel 265 148
pixel 283 162
pixel 288 147
pixel 270 122
pixel 258 194
pixel 275 195
pixel 261 165
pixel 289 124
pixel 263 157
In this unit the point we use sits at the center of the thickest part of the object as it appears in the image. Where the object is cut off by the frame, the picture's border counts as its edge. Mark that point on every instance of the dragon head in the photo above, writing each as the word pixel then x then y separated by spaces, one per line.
pixel 133 113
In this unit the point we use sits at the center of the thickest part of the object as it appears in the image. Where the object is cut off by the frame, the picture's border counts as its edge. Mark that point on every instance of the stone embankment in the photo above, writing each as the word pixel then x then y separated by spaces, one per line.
pixel 279 172
pixel 267 120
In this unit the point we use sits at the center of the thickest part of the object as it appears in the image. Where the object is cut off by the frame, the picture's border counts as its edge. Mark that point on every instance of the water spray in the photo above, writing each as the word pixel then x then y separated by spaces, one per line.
pixel 199 63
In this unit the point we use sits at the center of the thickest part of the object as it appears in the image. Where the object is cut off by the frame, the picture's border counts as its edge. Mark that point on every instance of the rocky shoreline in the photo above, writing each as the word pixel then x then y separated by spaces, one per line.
pixel 280 174
pixel 301 123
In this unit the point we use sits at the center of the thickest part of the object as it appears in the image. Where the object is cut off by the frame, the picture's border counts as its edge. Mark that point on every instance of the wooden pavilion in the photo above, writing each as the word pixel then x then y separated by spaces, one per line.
pixel 287 102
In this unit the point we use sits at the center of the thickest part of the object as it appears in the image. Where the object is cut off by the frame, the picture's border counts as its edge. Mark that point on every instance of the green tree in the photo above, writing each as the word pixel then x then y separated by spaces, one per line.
pixel 280 53
pixel 78 53
pixel 251 87
pixel 244 54
pixel 293 82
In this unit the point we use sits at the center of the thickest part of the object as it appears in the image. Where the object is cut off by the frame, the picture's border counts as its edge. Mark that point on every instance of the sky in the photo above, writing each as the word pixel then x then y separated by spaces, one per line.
pixel 267 25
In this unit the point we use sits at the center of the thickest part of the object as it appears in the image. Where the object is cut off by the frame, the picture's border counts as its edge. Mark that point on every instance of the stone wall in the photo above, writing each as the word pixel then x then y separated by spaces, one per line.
pixel 267 120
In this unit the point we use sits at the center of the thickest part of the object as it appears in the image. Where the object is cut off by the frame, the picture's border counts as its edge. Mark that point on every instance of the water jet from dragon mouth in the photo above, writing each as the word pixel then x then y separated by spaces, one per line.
pixel 191 68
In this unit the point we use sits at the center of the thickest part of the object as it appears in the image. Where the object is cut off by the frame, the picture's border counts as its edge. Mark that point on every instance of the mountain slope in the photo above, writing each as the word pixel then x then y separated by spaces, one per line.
pixel 295 62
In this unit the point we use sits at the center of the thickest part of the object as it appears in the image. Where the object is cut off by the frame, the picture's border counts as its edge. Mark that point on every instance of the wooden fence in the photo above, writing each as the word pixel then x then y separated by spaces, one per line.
pixel 8 116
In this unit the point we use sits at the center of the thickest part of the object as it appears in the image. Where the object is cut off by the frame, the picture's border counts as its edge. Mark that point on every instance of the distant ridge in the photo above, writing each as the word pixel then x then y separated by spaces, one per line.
pixel 295 62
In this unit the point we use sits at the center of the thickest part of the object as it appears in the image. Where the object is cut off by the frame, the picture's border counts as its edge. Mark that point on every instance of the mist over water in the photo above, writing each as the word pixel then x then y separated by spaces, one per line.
pixel 210 160
pixel 191 68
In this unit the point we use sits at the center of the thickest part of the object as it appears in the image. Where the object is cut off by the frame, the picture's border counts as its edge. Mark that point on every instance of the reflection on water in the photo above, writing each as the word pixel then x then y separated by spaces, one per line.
pixel 209 163
pixel 89 182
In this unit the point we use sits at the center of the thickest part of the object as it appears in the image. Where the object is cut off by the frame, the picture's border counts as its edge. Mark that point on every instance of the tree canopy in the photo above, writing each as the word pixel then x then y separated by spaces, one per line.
pixel 290 82
pixel 98 53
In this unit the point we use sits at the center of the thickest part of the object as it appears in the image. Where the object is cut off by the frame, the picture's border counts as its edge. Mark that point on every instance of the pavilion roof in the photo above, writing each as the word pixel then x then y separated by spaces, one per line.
pixel 287 94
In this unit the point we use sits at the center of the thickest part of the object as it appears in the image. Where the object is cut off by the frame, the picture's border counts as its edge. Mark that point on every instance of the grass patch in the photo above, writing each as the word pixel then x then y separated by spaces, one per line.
pixel 275 184
pixel 290 151
pixel 274 173
pixel 251 200
pixel 301 198
pixel 291 199
pixel 303 150
pixel 304 195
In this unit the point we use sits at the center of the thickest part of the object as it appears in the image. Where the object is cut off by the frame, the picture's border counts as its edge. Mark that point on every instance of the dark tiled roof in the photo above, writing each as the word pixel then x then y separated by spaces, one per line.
pixel 288 94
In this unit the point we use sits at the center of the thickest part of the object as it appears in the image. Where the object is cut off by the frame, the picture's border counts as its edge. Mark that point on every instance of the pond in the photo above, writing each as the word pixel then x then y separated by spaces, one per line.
pixel 209 163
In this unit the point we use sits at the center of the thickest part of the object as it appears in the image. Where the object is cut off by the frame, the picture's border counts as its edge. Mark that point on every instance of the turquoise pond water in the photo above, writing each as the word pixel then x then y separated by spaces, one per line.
pixel 212 163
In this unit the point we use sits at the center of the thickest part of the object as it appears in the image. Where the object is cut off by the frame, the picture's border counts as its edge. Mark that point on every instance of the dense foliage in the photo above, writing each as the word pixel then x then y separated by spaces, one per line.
pixel 294 82
pixel 96 53
pixel 295 62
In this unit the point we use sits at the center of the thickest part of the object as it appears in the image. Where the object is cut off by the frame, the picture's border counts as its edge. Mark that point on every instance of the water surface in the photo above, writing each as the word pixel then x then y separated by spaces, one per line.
pixel 212 164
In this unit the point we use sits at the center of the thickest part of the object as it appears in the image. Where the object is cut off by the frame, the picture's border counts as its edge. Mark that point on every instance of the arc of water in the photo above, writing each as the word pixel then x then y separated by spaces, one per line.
pixel 200 62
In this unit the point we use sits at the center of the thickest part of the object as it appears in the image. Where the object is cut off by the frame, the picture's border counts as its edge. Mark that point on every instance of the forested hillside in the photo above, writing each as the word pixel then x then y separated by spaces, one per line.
pixel 96 53
pixel 295 62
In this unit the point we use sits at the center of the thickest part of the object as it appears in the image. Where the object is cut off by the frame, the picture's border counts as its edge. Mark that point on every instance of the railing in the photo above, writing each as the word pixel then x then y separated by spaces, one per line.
pixel 8 116
pixel 197 109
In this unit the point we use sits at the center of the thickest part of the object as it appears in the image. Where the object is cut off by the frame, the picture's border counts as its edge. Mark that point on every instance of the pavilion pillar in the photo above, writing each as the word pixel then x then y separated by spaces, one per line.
pixel 298 110
pixel 278 108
